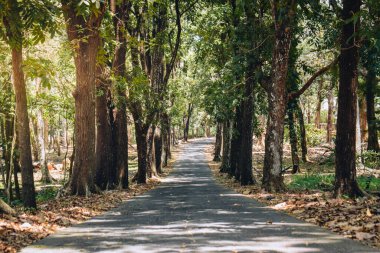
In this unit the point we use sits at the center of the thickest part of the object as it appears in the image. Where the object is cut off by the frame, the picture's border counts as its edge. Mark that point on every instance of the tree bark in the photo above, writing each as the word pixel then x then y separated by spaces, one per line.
pixel 118 66
pixel 141 141
pixel 85 58
pixel 187 122
pixel 46 178
pixel 8 135
pixel 5 208
pixel 245 156
pixel 371 83
pixel 166 139
pixel 157 139
pixel 317 119
pixel 301 123
pixel 14 166
pixel 104 153
pixel 151 157
pixel 293 138
pixel 218 142
pixel 236 142
pixel 225 167
pixel 28 190
pixel 283 14
pixel 363 120
pixel 330 111
pixel 345 161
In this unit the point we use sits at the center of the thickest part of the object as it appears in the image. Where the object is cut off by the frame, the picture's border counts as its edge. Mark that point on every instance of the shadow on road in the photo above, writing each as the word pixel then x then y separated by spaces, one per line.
pixel 189 212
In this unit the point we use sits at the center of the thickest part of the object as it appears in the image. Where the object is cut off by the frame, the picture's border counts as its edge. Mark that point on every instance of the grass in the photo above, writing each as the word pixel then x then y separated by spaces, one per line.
pixel 325 182
pixel 46 194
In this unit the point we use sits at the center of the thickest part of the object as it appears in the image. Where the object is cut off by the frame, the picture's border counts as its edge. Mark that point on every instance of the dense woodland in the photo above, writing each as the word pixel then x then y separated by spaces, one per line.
pixel 86 83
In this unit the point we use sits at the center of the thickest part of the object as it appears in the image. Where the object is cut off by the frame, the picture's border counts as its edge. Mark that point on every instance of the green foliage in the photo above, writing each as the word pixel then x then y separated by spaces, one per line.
pixel 46 193
pixel 33 18
pixel 311 182
pixel 371 159
pixel 314 135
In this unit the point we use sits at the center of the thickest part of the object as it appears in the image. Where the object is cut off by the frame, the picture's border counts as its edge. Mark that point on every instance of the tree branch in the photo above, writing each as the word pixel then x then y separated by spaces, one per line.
pixel 191 5
pixel 309 82
pixel 177 43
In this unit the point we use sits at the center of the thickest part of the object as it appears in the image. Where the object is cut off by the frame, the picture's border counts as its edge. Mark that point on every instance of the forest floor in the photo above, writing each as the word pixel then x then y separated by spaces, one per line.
pixel 309 196
pixel 28 226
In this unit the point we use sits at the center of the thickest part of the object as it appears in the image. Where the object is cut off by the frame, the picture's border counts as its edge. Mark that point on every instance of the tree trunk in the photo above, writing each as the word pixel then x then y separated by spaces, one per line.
pixel 46 178
pixel 141 141
pixel 283 15
pixel 293 138
pixel 15 177
pixel 46 133
pixel 151 158
pixel 28 191
pixel 345 166
pixel 245 156
pixel 302 129
pixel 308 112
pixel 9 134
pixel 14 156
pixel 358 139
pixel 104 153
pixel 81 182
pixel 218 142
pixel 317 119
pixel 225 167
pixel 187 122
pixel 15 164
pixel 118 66
pixel 166 139
pixel 85 59
pixel 236 142
pixel 34 140
pixel 5 208
pixel 330 112
pixel 122 141
pixel 371 83
pixel 363 120
pixel 57 141
pixel 157 139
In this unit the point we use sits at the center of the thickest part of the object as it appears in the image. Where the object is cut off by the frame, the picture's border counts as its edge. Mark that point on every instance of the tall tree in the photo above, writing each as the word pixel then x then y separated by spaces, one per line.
pixel 121 9
pixel 345 162
pixel 151 69
pixel 283 12
pixel 17 18
pixel 82 25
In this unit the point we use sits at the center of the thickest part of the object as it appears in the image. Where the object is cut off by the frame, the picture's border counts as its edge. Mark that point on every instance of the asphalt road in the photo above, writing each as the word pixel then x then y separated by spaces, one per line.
pixel 189 212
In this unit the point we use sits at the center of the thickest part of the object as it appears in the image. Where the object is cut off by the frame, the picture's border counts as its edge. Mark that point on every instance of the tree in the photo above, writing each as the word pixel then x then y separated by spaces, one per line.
pixel 119 70
pixel 82 25
pixel 283 12
pixel 151 68
pixel 17 18
pixel 345 162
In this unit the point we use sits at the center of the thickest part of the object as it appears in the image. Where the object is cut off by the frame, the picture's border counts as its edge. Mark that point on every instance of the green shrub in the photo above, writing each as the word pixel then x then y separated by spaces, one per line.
pixel 314 136
pixel 46 194
pixel 371 159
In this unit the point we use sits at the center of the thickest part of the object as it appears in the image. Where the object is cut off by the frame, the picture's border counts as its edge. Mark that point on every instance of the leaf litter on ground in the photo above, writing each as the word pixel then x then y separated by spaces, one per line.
pixel 28 226
pixel 358 219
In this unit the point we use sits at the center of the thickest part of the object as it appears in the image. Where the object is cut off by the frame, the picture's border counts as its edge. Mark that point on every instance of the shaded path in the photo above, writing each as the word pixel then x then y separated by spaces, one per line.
pixel 189 212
